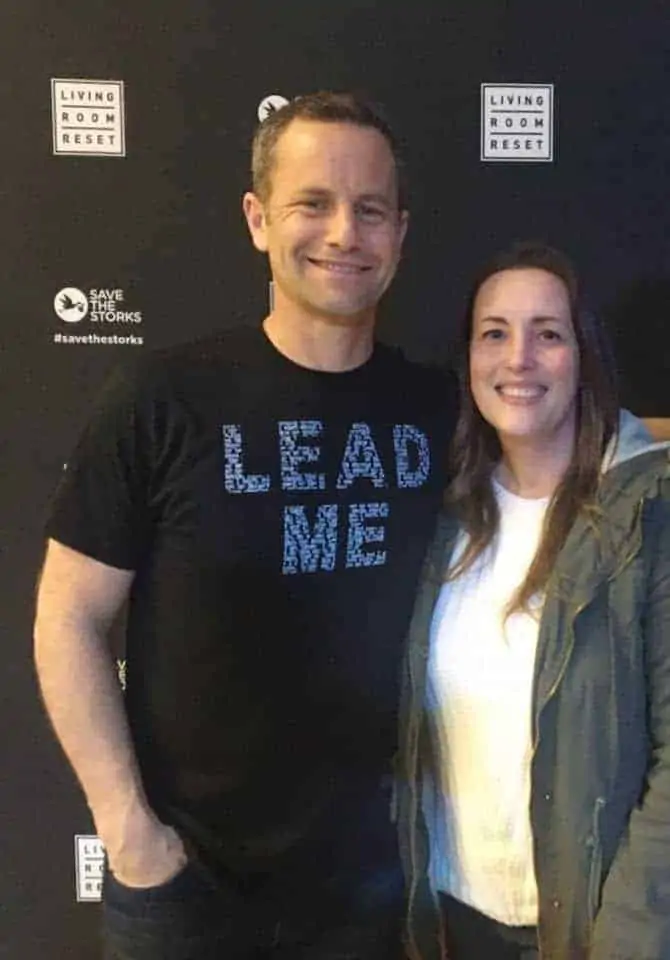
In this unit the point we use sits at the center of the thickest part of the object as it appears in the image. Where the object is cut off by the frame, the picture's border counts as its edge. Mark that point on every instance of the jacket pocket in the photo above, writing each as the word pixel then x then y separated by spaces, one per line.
pixel 595 872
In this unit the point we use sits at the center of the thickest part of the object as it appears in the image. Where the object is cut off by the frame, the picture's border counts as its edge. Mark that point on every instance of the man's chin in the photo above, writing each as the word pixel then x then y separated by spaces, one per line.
pixel 346 314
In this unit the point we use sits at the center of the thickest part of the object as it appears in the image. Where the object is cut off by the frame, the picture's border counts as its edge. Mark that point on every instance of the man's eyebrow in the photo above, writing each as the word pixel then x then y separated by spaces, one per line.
pixel 375 198
pixel 322 192
pixel 313 192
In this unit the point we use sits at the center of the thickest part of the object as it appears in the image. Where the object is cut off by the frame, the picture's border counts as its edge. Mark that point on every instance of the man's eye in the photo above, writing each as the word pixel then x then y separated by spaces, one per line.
pixel 374 214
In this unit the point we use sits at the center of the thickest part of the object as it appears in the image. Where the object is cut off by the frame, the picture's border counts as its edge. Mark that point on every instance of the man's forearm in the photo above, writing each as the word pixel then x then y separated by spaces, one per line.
pixel 84 701
pixel 85 704
pixel 78 599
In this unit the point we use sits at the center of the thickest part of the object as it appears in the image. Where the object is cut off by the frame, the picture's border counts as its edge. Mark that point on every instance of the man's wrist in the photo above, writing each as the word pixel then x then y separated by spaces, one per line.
pixel 120 811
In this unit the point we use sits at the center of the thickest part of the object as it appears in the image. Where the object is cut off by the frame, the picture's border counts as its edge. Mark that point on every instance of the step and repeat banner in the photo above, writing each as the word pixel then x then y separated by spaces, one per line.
pixel 124 155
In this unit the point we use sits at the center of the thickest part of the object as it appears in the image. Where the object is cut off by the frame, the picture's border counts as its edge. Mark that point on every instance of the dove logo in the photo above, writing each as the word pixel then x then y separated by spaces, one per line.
pixel 71 305
pixel 270 105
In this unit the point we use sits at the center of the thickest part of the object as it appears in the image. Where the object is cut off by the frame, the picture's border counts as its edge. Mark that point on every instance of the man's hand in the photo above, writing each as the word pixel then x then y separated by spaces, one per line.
pixel 143 852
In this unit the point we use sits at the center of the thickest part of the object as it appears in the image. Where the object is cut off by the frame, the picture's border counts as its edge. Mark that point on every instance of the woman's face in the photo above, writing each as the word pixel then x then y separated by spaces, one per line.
pixel 524 361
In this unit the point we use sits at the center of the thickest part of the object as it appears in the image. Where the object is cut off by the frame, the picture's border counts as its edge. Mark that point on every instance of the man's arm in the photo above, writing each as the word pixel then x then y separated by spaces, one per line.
pixel 78 600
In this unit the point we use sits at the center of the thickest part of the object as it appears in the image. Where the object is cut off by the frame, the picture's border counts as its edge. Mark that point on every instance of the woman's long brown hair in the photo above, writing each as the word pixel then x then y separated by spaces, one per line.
pixel 476 449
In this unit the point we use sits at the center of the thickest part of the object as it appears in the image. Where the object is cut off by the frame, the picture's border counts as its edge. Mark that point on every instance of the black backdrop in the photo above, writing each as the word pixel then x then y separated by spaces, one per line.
pixel 162 224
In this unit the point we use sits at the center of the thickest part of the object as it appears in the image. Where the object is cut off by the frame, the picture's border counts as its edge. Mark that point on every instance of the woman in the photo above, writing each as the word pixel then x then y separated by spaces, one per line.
pixel 535 736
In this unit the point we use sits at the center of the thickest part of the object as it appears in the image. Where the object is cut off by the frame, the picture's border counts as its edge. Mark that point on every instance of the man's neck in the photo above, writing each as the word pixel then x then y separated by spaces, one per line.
pixel 321 343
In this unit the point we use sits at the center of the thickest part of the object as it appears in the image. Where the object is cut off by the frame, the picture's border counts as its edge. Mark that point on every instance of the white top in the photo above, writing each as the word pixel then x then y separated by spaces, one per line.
pixel 480 684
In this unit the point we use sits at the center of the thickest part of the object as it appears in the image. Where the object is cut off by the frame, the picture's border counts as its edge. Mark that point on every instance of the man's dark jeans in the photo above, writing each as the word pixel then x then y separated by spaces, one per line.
pixel 196 917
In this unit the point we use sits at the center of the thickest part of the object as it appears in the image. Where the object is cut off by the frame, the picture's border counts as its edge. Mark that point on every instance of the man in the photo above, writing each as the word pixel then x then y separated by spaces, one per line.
pixel 263 500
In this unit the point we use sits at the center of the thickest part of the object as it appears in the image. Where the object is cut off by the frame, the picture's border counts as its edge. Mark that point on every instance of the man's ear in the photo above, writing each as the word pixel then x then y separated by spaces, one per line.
pixel 404 224
pixel 254 213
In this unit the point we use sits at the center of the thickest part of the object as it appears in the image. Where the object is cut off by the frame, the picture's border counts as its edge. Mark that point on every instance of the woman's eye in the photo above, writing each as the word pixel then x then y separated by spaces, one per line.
pixel 493 334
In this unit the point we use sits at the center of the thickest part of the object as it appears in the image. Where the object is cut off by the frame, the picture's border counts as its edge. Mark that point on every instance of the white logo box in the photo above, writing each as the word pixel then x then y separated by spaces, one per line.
pixel 517 122
pixel 89 859
pixel 88 118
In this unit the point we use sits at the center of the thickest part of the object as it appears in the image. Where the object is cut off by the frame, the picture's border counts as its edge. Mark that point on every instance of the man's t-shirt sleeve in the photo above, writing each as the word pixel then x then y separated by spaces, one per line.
pixel 100 507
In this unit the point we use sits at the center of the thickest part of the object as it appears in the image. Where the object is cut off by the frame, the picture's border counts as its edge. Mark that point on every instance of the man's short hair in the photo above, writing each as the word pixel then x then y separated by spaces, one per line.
pixel 324 107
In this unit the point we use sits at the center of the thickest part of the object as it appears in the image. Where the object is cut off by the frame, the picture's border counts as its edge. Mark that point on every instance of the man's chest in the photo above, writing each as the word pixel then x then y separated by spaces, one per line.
pixel 302 489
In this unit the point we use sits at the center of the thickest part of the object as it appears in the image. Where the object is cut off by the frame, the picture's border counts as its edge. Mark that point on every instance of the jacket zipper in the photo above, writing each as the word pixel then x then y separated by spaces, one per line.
pixel 596 859
pixel 554 687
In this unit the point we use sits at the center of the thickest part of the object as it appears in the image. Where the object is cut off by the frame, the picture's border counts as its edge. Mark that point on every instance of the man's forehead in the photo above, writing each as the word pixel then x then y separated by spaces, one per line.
pixel 312 153
pixel 335 142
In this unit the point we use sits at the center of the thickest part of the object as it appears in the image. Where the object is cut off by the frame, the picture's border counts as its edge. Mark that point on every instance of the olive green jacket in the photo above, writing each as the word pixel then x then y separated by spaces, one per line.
pixel 600 770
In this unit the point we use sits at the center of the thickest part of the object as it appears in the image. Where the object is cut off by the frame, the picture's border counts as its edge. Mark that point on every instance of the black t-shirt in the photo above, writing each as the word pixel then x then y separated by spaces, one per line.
pixel 276 519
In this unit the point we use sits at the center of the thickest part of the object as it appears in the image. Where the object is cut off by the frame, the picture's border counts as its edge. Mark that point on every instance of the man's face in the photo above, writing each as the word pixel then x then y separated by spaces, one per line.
pixel 331 225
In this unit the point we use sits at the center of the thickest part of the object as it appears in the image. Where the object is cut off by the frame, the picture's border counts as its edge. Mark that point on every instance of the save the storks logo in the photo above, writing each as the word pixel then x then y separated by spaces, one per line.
pixel 108 322
pixel 270 105
pixel 71 304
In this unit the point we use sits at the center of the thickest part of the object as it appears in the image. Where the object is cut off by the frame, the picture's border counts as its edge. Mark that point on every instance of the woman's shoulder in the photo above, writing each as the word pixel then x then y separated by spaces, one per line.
pixel 642 476
pixel 639 492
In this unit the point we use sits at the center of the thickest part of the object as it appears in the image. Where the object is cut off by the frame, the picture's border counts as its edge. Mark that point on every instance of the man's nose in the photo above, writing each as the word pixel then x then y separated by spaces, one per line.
pixel 343 228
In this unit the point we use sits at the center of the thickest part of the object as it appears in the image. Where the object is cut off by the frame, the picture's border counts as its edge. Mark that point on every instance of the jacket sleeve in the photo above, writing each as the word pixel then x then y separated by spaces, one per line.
pixel 634 918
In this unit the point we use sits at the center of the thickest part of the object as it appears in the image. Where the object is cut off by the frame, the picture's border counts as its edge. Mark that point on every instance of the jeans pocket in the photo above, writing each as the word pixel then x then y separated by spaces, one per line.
pixel 191 906
pixel 135 901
